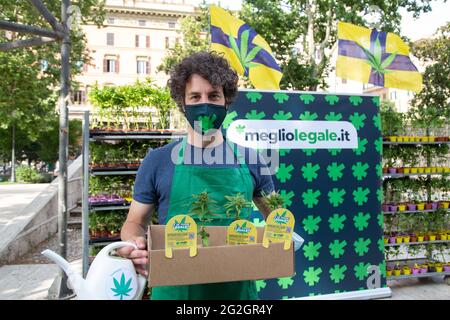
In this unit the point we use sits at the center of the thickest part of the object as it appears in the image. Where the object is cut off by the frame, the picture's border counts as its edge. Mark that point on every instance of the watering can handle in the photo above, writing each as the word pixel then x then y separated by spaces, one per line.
pixel 116 245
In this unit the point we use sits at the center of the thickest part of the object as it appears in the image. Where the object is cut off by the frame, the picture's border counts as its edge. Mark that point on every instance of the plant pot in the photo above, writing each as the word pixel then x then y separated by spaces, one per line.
pixel 444 204
pixel 446 268
pixel 433 169
pixel 385 207
pixel 388 272
pixel 447 169
pixel 392 170
pixel 400 170
pixel 386 240
pixel 428 206
pixel 415 270
pixel 413 238
pixel 427 170
pixel 393 208
pixel 439 268
pixel 421 206
pixel 397 272
pixel 439 169
pixel 420 170
pixel 411 207
pixel 406 239
pixel 392 239
pixel 401 207
pixel 385 169
pixel 413 170
pixel 393 138
pixel 423 269
pixel 400 139
pixel 398 239
pixel 406 270
pixel 424 139
pixel 420 238
pixel 431 139
pixel 406 139
pixel 444 237
pixel 434 205
pixel 432 238
pixel 406 170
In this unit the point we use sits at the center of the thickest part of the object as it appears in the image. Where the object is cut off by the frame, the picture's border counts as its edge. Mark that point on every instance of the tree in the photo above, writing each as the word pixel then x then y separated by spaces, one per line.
pixel 303 33
pixel 195 37
pixel 30 76
pixel 431 106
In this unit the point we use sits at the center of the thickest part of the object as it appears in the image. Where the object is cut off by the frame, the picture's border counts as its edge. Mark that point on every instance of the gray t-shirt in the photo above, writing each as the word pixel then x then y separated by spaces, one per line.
pixel 154 177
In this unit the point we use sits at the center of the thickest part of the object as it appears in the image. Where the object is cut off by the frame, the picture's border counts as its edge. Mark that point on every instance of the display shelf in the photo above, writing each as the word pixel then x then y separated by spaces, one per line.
pixel 108 208
pixel 415 143
pixel 416 243
pixel 419 275
pixel 401 175
pixel 413 212
pixel 103 241
pixel 93 136
pixel 113 172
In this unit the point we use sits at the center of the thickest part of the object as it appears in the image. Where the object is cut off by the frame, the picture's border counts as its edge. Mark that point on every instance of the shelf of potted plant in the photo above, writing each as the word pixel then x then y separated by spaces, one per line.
pixel 109 208
pixel 415 243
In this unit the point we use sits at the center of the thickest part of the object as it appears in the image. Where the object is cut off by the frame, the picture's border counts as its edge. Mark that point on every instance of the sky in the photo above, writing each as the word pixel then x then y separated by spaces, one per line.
pixel 412 28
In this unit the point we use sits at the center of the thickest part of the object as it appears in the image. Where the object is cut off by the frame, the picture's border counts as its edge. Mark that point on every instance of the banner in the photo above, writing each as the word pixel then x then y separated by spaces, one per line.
pixel 329 172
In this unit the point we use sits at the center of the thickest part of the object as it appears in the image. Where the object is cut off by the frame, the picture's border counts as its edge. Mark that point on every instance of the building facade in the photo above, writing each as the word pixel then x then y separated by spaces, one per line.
pixel 130 46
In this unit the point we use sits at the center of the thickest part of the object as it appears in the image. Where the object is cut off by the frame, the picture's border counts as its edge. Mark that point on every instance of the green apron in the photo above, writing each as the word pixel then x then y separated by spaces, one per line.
pixel 219 182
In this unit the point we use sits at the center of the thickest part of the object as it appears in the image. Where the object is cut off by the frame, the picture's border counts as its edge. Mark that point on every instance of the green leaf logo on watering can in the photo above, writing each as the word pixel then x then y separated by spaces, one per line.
pixel 181 226
pixel 122 285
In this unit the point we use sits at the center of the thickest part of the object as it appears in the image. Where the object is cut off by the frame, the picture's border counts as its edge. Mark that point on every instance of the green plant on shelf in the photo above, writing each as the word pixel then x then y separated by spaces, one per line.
pixel 235 205
pixel 202 208
pixel 274 200
pixel 391 120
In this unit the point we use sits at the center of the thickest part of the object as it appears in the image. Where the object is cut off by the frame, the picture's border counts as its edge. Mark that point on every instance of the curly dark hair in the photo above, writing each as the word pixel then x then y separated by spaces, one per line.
pixel 210 66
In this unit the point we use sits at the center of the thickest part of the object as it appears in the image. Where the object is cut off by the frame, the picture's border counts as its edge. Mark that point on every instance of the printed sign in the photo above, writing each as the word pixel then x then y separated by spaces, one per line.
pixel 181 233
pixel 241 232
pixel 279 228
pixel 293 134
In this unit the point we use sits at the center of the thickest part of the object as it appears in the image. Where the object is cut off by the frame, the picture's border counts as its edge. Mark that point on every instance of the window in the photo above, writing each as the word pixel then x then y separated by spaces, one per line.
pixel 143 66
pixel 111 64
pixel 110 20
pixel 167 42
pixel 142 23
pixel 172 25
pixel 79 97
pixel 142 41
pixel 110 39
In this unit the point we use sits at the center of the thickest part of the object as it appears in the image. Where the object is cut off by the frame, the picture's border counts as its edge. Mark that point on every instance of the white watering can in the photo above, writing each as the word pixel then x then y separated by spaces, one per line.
pixel 108 278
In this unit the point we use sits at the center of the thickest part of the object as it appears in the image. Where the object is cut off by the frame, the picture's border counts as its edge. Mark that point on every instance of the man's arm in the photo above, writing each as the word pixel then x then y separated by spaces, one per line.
pixel 133 230
pixel 261 203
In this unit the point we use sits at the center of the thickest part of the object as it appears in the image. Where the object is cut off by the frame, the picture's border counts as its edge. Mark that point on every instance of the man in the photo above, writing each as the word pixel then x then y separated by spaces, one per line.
pixel 203 86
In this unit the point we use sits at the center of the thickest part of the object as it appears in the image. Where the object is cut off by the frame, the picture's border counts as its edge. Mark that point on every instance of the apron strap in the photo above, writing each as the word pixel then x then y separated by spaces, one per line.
pixel 180 159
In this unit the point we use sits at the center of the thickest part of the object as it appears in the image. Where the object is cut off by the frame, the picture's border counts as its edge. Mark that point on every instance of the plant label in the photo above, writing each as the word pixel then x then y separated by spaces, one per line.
pixel 279 228
pixel 241 232
pixel 181 233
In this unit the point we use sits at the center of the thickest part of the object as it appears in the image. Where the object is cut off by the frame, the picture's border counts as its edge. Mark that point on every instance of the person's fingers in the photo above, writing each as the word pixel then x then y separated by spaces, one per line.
pixel 140 261
pixel 141 243
pixel 125 251
pixel 141 270
pixel 138 254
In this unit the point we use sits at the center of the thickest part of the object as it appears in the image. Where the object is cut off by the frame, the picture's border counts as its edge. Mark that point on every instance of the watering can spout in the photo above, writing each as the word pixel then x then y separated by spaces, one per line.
pixel 76 280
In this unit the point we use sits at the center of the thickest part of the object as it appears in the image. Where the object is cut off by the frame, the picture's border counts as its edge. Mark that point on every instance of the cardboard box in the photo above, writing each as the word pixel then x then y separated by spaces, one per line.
pixel 217 263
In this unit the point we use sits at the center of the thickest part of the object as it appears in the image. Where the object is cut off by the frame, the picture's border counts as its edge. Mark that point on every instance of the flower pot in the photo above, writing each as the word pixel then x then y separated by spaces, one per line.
pixel 447 169
pixel 415 270
pixel 406 239
pixel 385 207
pixel 439 268
pixel 413 170
pixel 420 238
pixel 439 169
pixel 400 139
pixel 444 237
pixel 406 170
pixel 393 138
pixel 393 208
pixel 421 206
pixel 420 170
pixel 392 170
pixel 386 240
pixel 428 206
pixel 444 204
pixel 397 272
pixel 432 238
pixel 406 270
pixel 433 169
pixel 424 139
pixel 446 268
pixel 385 170
pixel 423 268
pixel 401 207
pixel 434 205
pixel 398 239
pixel 431 139
pixel 392 239
pixel 427 170
pixel 406 139
pixel 388 272
pixel 413 238
pixel 411 207
pixel 400 170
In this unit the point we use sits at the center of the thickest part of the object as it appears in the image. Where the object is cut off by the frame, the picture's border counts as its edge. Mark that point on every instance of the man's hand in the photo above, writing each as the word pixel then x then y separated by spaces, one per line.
pixel 139 256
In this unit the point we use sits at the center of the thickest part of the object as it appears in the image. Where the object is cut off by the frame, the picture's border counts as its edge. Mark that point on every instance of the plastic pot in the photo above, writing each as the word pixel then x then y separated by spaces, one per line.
pixel 439 169
pixel 401 207
pixel 415 270
pixel 393 138
pixel 428 206
pixel 444 204
pixel 420 238
pixel 392 239
pixel 432 237
pixel 424 139
pixel 392 170
pixel 447 268
pixel 385 207
pixel 406 270
pixel 421 206
pixel 398 239
pixel 439 268
pixel 411 207
pixel 420 170
pixel 434 205
pixel 393 208
pixel 413 170
pixel 406 239
pixel 423 269
pixel 406 170
pixel 385 170
pixel 386 240
pixel 413 238
pixel 431 139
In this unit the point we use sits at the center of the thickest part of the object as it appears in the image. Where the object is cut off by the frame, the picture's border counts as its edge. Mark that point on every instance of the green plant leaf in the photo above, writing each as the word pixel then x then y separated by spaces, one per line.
pixel 244 43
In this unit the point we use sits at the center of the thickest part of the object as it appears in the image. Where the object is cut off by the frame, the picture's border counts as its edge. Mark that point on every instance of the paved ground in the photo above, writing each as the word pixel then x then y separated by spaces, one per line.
pixel 14 198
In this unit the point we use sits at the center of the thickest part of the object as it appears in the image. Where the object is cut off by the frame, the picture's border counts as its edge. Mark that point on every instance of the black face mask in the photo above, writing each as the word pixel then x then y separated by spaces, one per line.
pixel 207 115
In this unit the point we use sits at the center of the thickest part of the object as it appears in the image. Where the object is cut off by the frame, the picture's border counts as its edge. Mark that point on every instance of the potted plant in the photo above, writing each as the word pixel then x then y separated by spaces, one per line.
pixel 274 200
pixel 406 270
pixel 388 271
pixel 235 204
pixel 202 208
pixel 397 269
pixel 415 269
pixel 446 267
